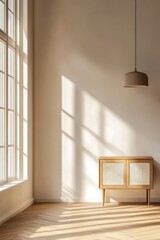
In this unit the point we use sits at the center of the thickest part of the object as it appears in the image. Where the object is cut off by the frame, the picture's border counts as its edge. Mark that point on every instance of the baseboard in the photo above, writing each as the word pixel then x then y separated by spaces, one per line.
pixel 45 200
pixel 15 211
pixel 68 200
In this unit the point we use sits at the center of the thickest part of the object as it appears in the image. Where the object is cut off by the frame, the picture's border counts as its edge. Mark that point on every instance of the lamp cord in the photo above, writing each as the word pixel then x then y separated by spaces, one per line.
pixel 135 35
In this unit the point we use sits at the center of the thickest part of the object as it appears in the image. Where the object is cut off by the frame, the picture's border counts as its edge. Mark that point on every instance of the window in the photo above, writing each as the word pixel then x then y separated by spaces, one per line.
pixel 13 90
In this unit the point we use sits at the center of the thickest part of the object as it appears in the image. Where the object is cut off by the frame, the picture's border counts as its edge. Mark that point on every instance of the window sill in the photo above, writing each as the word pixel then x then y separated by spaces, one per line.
pixel 11 184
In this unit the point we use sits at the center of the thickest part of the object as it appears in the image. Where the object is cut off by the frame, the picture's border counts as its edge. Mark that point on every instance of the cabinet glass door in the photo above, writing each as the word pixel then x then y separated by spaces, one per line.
pixel 113 173
pixel 139 173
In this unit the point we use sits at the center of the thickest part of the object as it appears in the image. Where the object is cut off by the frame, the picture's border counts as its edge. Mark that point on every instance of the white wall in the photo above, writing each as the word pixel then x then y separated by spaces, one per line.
pixel 82 50
pixel 18 197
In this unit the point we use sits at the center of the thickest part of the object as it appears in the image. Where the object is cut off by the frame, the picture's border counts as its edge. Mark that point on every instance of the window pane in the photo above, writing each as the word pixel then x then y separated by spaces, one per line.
pixel 11 62
pixel 18 68
pixel 2 164
pixel 25 104
pixel 25 75
pixel 17 89
pixel 11 93
pixel 11 5
pixel 10 127
pixel 2 90
pixel 18 164
pixel 2 16
pixel 10 24
pixel 25 33
pixel 25 138
pixel 18 132
pixel 25 166
pixel 18 99
pixel 2 56
pixel 11 162
pixel 2 127
pixel 18 22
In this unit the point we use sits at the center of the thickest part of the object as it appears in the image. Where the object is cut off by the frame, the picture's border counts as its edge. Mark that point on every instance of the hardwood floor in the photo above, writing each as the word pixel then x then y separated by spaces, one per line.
pixel 87 221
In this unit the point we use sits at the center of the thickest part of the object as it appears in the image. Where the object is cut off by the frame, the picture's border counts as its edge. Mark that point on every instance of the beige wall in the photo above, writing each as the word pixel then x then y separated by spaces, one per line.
pixel 18 197
pixel 82 50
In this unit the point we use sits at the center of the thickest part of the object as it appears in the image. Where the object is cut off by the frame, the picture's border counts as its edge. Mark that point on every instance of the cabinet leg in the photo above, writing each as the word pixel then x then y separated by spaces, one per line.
pixel 103 196
pixel 148 196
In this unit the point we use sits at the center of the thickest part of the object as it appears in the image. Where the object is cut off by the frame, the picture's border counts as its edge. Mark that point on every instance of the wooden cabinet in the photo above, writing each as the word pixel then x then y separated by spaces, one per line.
pixel 126 173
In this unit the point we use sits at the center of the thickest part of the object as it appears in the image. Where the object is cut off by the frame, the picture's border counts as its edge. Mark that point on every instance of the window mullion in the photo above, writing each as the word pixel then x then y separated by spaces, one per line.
pixel 21 87
pixel 3 35
pixel 15 91
pixel 6 92
pixel 11 42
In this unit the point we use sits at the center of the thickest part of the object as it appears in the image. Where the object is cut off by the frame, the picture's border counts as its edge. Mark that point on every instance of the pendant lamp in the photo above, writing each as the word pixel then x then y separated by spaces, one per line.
pixel 135 79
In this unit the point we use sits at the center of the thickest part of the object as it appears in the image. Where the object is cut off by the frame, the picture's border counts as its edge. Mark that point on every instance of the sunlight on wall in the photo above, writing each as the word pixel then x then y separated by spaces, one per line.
pixel 68 124
pixel 117 133
pixel 91 143
pixel 90 177
pixel 103 129
pixel 95 132
pixel 68 96
pixel 91 113
pixel 68 166
pixel 68 141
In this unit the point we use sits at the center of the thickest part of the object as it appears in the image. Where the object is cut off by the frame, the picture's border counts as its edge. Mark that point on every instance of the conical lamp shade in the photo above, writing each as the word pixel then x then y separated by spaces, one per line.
pixel 135 79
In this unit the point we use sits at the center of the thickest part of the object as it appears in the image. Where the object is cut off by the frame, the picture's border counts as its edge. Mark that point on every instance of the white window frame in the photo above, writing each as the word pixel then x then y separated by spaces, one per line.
pixel 20 25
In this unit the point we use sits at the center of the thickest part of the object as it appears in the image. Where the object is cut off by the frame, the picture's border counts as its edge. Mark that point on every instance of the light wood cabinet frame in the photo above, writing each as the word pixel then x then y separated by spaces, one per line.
pixel 126 174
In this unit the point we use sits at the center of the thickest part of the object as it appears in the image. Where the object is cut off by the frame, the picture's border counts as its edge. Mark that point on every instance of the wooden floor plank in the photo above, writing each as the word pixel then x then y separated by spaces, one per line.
pixel 87 221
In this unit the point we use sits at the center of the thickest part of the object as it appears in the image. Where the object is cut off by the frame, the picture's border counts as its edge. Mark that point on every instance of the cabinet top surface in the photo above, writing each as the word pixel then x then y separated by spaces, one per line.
pixel 126 158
